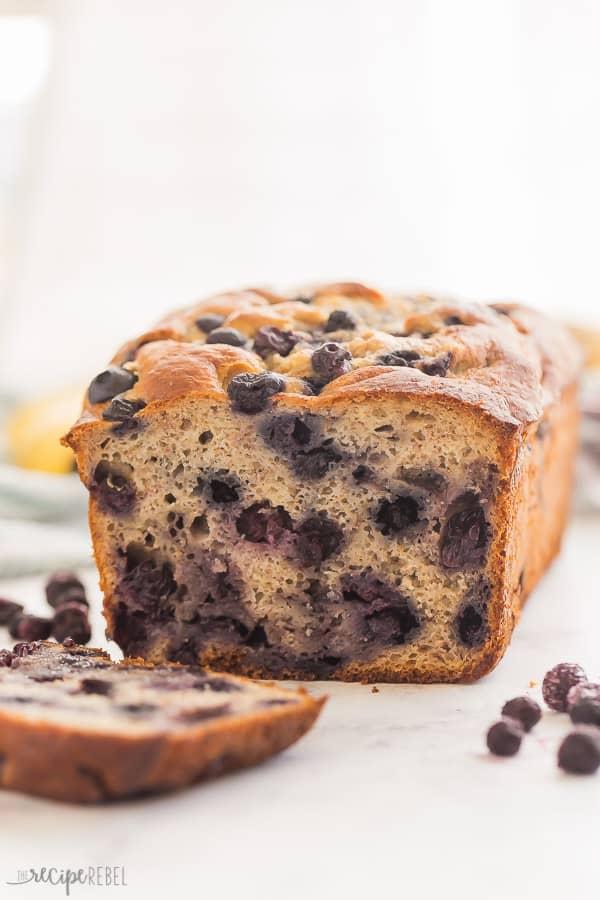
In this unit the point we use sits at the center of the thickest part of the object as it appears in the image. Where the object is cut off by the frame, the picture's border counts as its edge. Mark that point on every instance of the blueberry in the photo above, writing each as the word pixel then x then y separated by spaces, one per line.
pixel 148 584
pixel 8 610
pixel 230 336
pixel 60 583
pixel 270 339
pixel 399 358
pixel 504 737
pixel 288 433
pixel 113 489
pixel 453 320
pixel 524 710
pixel 340 320
pixel 464 536
pixel 331 360
pixel 363 474
pixel 318 538
pixel 209 321
pixel 579 753
pixel 114 380
pixel 316 463
pixel 95 686
pixel 251 393
pixel 129 629
pixel 263 523
pixel 223 491
pixel 395 516
pixel 121 409
pixel 557 683
pixel 583 703
pixel 471 624
pixel 437 365
pixel 393 624
pixel 71 620
pixel 390 617
pixel 30 628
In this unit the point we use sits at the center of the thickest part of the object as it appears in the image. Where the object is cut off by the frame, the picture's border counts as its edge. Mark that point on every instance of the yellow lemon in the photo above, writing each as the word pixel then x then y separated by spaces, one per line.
pixel 34 431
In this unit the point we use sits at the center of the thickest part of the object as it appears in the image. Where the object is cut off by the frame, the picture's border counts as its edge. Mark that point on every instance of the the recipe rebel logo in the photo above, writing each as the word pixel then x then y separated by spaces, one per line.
pixel 90 876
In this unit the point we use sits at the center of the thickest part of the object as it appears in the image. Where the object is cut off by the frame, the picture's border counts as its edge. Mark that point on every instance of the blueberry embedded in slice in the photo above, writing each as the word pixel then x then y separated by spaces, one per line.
pixel 340 320
pixel 464 537
pixel 209 321
pixel 263 523
pixel 224 491
pixel 392 625
pixel 270 339
pixel 95 686
pixel 363 474
pixel 331 360
pixel 113 488
pixel 318 537
pixel 395 516
pixel 390 617
pixel 114 380
pixel 230 336
pixel 251 393
pixel 316 463
pixel 289 433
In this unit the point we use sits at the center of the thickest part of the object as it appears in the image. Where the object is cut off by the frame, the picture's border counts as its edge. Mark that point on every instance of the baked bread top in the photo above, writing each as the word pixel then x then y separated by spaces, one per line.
pixel 337 343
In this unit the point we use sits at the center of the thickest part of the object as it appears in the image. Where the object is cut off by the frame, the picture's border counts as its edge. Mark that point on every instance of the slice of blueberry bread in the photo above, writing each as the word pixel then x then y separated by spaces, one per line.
pixel 74 726
pixel 335 484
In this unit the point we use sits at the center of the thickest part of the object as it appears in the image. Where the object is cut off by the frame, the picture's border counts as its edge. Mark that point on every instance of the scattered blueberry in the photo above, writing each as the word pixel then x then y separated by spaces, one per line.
pixel 270 339
pixel 465 534
pixel 471 624
pixel 209 321
pixel 524 710
pixel 230 336
pixel 71 620
pixel 251 393
pixel 504 737
pixel 395 516
pixel 557 683
pixel 121 409
pixel 579 752
pixel 8 610
pixel 583 703
pixel 331 360
pixel 30 628
pixel 114 380
pixel 61 583
pixel 340 320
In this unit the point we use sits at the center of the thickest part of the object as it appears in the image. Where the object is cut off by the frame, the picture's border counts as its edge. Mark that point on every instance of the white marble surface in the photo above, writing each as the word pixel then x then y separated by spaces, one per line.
pixel 391 793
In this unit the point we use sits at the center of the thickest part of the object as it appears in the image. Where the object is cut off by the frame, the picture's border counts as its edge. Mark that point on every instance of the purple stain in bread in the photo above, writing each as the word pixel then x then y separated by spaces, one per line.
pixel 464 537
pixel 395 516
pixel 263 523
pixel 318 538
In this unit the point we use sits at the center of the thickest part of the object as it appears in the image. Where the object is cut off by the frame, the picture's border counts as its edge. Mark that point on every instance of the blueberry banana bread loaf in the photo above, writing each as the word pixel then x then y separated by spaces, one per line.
pixel 76 727
pixel 339 484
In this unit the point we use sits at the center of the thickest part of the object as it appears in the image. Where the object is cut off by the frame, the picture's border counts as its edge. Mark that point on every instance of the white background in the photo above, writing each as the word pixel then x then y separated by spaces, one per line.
pixel 195 145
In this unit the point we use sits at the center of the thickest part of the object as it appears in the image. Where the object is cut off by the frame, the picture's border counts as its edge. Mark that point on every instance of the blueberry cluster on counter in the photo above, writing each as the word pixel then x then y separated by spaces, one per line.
pixel 565 689
pixel 66 596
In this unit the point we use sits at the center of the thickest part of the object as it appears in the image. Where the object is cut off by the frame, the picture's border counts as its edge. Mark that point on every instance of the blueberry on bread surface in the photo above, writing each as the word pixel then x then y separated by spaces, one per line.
pixel 76 727
pixel 393 477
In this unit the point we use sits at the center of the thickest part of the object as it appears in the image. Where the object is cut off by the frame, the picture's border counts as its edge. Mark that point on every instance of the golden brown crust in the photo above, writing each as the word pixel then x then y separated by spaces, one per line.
pixel 510 368
pixel 83 765
pixel 510 363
